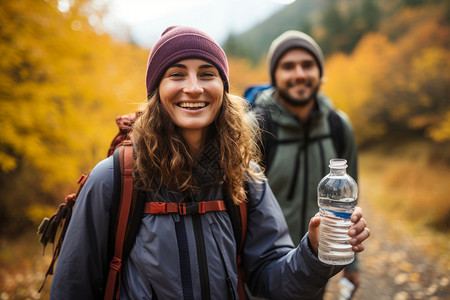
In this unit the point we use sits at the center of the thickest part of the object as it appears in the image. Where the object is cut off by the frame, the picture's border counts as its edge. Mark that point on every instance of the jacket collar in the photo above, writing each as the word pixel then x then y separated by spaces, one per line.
pixel 281 115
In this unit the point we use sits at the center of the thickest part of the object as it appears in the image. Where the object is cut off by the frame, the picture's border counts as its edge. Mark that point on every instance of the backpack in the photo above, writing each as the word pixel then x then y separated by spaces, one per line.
pixel 269 140
pixel 126 215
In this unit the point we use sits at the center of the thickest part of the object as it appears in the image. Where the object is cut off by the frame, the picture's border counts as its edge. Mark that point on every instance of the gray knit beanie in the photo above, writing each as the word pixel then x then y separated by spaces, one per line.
pixel 292 39
pixel 180 42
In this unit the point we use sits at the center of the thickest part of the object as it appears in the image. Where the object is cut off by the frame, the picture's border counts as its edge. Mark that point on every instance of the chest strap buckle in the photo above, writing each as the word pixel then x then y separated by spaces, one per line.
pixel 190 208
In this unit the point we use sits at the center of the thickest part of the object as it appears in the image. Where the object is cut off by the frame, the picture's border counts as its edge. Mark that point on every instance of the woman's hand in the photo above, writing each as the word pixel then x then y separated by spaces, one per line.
pixel 358 232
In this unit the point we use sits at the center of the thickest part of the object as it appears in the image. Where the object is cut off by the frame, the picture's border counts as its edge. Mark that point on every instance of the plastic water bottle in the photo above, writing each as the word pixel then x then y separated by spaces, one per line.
pixel 337 198
pixel 346 289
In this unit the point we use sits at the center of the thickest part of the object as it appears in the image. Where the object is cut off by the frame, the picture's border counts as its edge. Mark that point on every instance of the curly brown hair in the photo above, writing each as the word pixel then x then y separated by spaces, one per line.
pixel 163 157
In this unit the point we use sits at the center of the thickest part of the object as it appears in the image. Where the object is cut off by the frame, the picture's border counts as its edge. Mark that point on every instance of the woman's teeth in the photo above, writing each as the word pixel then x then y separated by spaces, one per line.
pixel 192 104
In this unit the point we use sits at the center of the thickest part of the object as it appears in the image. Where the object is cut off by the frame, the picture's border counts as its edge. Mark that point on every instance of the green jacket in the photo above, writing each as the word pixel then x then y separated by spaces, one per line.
pixel 302 158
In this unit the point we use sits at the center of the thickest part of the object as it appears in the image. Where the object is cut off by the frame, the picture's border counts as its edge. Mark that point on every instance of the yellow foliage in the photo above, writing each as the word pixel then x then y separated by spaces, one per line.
pixel 402 83
pixel 243 74
pixel 441 131
pixel 61 88
pixel 7 162
pixel 350 81
pixel 422 121
pixel 429 63
pixel 410 182
pixel 37 212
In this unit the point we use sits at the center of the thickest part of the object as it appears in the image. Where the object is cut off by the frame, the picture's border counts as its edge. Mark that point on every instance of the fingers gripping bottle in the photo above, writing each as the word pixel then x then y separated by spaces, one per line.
pixel 337 198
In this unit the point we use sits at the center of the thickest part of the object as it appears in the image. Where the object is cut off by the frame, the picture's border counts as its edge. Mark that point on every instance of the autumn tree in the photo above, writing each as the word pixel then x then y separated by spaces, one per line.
pixel 61 86
pixel 397 85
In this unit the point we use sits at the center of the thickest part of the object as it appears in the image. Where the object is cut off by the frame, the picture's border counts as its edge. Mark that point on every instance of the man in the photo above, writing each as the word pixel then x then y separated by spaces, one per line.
pixel 304 131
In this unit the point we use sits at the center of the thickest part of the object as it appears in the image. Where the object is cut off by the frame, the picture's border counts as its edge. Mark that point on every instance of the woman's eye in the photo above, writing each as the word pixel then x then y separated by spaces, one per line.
pixel 208 74
pixel 175 74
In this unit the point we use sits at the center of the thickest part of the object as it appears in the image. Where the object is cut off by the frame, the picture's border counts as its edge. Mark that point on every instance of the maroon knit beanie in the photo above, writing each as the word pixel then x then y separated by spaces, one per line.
pixel 177 43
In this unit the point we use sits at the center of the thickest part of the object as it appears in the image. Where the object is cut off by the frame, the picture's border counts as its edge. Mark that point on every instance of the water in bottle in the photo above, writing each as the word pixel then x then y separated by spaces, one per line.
pixel 337 198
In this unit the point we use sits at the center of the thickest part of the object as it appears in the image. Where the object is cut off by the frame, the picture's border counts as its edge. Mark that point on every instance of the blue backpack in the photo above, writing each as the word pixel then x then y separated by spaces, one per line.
pixel 252 92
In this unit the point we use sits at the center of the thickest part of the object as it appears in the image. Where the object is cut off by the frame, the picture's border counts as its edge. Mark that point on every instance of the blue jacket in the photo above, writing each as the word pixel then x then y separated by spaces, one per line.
pixel 274 267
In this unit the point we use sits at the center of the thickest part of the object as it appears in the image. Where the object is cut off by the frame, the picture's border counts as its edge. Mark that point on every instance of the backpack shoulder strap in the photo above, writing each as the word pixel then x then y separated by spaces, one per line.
pixel 126 214
pixel 243 230
pixel 238 216
pixel 337 132
pixel 269 141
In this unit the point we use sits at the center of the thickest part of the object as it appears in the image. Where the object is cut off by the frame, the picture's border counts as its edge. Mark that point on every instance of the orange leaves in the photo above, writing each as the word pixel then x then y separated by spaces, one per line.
pixel 61 89
pixel 396 84
pixel 440 131
pixel 243 74
pixel 352 82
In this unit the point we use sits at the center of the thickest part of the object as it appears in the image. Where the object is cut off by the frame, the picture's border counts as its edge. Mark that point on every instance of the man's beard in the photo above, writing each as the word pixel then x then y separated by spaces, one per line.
pixel 298 102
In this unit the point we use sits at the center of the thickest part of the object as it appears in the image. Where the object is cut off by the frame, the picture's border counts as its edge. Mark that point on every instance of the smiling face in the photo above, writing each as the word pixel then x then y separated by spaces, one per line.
pixel 297 77
pixel 191 91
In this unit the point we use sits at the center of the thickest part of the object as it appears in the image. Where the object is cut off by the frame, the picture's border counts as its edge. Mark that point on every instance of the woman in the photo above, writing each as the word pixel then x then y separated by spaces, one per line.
pixel 193 143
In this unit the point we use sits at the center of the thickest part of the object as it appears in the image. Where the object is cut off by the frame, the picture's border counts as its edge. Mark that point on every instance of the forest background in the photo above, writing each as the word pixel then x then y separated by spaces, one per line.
pixel 63 81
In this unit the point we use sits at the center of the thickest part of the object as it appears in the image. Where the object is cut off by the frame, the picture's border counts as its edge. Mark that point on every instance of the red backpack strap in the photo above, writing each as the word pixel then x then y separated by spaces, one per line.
pixel 158 208
pixel 126 166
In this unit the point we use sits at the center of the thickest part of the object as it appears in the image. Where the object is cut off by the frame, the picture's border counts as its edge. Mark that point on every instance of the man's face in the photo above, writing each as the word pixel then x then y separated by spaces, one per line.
pixel 297 77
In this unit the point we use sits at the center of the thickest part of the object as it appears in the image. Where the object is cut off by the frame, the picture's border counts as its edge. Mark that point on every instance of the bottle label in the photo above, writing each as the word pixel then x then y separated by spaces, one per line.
pixel 342 215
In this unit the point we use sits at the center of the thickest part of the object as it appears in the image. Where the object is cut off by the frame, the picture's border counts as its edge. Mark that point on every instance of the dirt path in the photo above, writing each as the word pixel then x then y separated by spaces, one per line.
pixel 399 265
